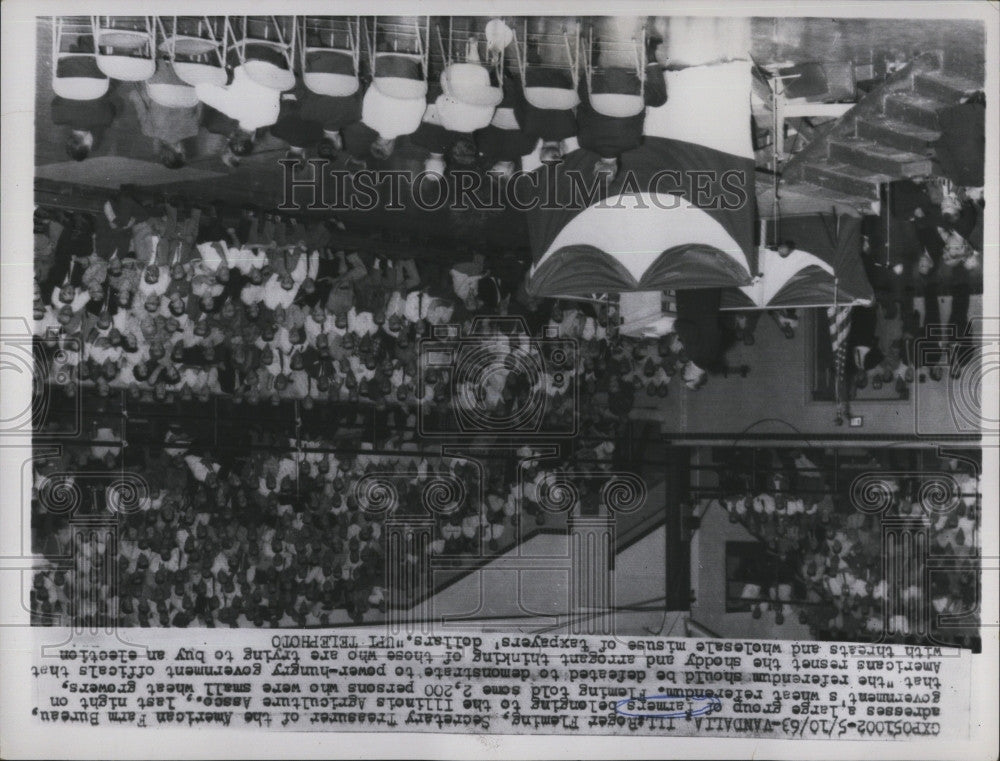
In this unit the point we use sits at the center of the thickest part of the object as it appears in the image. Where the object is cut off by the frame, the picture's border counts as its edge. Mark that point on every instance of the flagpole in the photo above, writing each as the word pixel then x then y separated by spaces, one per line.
pixel 837 363
pixel 839 360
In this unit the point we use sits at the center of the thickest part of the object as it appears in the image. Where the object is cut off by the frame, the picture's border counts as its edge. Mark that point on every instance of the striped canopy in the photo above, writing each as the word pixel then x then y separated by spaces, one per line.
pixel 678 215
pixel 824 269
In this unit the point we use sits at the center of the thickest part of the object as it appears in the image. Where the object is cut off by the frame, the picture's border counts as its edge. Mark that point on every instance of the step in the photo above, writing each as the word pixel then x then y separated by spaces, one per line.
pixel 817 192
pixel 947 88
pixel 918 110
pixel 844 178
pixel 874 157
pixel 963 62
pixel 897 134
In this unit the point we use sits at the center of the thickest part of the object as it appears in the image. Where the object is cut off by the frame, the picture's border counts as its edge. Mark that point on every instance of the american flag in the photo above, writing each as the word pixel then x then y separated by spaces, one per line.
pixel 839 318
pixel 840 327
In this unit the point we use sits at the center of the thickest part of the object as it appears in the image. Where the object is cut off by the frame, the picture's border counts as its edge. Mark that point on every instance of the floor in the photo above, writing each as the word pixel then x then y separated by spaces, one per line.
pixel 775 398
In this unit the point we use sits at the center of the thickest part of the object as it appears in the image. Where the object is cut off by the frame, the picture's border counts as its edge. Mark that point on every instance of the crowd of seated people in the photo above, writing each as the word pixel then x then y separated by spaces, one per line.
pixel 275 532
pixel 172 302
pixel 168 303
pixel 175 303
pixel 833 541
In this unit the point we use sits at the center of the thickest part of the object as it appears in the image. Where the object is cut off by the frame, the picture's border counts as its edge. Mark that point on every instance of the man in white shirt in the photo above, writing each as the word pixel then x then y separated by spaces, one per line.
pixel 246 259
pixel 390 117
pixel 69 296
pixel 253 292
pixel 280 290
pixel 252 105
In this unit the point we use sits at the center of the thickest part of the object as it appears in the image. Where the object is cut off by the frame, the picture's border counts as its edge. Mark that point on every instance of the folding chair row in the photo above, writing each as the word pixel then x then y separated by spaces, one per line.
pixel 88 52
pixel 327 51
pixel 614 67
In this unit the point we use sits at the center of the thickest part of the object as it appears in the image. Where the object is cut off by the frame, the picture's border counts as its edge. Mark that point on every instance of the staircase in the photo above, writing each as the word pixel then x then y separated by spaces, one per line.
pixel 887 136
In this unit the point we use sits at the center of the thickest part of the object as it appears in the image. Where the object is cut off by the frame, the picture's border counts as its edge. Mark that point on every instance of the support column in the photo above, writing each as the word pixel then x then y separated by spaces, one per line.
pixel 905 550
pixel 592 581
pixel 408 586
